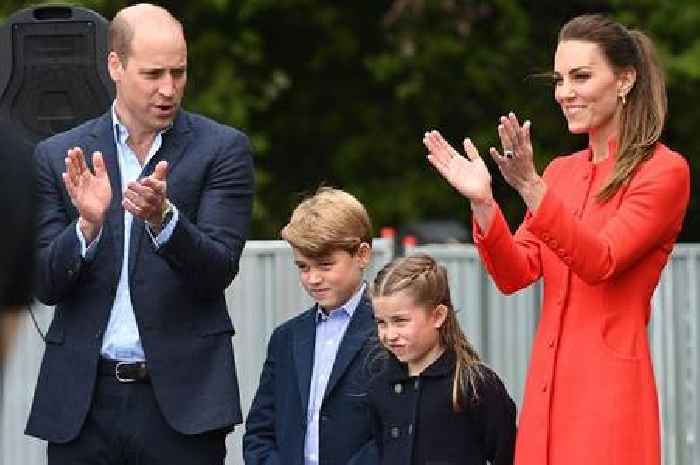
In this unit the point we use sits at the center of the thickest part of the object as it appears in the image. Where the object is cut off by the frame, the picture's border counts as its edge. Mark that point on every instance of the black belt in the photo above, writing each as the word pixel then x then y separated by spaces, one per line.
pixel 124 372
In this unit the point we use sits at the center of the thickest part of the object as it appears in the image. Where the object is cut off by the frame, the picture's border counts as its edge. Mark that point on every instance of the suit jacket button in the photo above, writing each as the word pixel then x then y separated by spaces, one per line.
pixel 395 432
pixel 398 388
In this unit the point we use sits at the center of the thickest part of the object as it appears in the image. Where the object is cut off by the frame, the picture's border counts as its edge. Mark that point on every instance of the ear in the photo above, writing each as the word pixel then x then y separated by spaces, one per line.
pixel 439 315
pixel 364 255
pixel 625 81
pixel 115 67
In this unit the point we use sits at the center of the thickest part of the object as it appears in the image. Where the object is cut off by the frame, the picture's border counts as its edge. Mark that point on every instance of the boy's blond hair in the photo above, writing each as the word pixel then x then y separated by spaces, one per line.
pixel 329 220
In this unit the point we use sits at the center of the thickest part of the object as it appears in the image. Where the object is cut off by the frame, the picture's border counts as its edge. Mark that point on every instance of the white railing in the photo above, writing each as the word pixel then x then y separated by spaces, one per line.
pixel 267 292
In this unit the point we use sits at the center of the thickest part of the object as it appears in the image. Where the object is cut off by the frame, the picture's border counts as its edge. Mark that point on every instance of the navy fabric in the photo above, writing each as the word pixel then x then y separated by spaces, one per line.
pixel 177 291
pixel 277 422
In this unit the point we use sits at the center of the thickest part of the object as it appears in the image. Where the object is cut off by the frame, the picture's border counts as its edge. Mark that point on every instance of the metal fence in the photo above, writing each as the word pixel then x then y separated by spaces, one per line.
pixel 267 292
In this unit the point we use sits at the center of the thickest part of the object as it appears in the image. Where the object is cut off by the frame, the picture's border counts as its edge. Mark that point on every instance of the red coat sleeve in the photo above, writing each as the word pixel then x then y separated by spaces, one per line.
pixel 650 215
pixel 513 260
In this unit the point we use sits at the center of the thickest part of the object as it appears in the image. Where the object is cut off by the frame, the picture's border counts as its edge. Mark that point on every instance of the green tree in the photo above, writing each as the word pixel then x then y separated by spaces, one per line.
pixel 342 92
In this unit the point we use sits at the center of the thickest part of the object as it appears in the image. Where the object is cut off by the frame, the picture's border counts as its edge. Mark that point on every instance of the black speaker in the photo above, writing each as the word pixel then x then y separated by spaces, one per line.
pixel 53 70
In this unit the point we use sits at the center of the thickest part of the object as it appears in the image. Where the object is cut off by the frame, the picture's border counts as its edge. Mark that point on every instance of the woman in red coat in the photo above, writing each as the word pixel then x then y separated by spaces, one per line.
pixel 600 226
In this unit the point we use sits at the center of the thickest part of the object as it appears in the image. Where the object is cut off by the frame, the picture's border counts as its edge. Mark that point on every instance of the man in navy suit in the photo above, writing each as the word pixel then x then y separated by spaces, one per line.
pixel 136 245
pixel 310 406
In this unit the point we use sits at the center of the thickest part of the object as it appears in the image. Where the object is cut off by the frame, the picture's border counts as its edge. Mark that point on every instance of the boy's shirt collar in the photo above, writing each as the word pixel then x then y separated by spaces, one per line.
pixel 348 307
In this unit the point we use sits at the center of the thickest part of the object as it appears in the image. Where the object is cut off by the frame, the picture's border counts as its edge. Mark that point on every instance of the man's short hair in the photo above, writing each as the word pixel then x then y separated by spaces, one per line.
pixel 329 220
pixel 120 33
pixel 119 37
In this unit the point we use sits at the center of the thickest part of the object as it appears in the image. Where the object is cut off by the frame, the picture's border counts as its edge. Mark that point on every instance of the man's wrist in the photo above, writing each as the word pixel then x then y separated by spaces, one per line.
pixel 88 229
pixel 157 224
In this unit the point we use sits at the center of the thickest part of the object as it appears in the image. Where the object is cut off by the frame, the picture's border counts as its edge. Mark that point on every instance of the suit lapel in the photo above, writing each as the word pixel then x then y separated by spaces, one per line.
pixel 304 335
pixel 103 141
pixel 175 141
pixel 360 328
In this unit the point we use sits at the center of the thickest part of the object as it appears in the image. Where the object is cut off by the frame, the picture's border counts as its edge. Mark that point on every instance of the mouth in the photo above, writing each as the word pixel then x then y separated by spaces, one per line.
pixel 396 347
pixel 165 110
pixel 573 110
pixel 319 292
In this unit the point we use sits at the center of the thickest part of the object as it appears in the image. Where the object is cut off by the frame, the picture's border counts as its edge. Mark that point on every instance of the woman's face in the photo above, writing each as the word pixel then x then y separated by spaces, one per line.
pixel 588 88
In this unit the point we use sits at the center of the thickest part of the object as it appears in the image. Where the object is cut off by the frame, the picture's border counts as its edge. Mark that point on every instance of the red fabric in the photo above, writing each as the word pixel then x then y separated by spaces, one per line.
pixel 590 395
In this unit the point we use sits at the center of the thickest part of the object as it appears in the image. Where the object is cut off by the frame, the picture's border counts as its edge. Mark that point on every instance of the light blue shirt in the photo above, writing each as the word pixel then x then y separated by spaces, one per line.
pixel 330 330
pixel 121 340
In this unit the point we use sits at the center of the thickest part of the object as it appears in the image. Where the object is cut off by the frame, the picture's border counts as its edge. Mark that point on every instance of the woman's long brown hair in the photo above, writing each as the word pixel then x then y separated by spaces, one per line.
pixel 642 116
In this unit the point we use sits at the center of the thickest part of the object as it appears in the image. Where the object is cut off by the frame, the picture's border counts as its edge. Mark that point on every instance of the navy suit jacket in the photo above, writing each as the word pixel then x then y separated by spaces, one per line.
pixel 276 424
pixel 177 291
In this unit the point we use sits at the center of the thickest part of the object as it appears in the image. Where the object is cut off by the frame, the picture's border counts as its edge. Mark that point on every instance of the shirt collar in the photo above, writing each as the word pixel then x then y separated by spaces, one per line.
pixel 348 307
pixel 121 133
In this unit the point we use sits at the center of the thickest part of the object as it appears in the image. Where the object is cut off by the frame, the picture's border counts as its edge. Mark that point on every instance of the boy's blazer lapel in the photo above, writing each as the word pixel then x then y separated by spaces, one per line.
pixel 304 335
pixel 359 330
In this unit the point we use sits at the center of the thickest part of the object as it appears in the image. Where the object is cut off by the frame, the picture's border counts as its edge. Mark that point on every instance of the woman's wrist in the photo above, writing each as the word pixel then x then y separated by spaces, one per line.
pixel 484 202
pixel 533 192
pixel 482 211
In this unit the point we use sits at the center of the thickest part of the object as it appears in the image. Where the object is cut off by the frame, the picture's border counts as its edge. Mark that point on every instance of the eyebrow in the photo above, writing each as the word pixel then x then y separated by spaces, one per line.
pixel 573 70
pixel 154 69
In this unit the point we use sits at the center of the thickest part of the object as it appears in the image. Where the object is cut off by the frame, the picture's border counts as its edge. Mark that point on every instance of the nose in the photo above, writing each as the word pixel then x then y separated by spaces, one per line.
pixel 563 91
pixel 390 334
pixel 314 277
pixel 167 86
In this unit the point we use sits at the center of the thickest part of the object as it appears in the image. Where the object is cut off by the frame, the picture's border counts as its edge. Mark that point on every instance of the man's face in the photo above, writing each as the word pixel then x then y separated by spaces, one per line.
pixel 151 81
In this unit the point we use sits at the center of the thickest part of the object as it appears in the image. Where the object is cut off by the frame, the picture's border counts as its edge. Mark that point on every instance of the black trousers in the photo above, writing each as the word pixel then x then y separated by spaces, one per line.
pixel 125 427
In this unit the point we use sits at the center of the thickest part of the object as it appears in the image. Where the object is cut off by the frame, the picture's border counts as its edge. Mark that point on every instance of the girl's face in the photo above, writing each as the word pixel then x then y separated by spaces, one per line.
pixel 587 88
pixel 409 331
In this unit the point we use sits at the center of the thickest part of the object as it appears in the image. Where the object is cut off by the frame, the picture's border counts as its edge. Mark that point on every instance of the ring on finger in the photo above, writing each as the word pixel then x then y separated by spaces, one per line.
pixel 508 153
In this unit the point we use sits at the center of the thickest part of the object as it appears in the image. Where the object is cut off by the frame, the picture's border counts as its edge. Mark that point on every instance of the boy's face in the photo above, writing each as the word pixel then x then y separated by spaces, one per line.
pixel 332 279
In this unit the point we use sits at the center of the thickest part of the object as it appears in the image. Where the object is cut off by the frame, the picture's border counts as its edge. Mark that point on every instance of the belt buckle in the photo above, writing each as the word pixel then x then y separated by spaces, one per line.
pixel 119 378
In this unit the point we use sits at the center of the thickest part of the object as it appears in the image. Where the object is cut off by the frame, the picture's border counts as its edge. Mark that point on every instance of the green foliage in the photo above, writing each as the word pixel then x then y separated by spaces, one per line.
pixel 342 92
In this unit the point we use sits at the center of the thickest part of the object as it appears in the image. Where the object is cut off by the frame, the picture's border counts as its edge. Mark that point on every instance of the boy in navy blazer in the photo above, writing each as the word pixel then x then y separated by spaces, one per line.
pixel 310 408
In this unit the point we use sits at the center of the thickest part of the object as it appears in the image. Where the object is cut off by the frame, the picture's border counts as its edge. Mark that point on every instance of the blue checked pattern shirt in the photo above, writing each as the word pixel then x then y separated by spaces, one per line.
pixel 330 329
pixel 121 340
